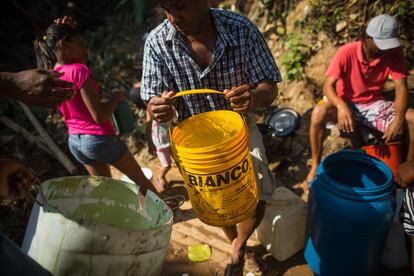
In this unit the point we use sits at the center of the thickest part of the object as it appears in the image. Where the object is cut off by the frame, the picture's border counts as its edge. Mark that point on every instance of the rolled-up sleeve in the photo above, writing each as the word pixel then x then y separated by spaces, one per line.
pixel 155 73
pixel 260 62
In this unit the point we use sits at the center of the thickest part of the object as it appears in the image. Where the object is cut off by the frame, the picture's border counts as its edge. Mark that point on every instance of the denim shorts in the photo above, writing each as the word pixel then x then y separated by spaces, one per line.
pixel 89 149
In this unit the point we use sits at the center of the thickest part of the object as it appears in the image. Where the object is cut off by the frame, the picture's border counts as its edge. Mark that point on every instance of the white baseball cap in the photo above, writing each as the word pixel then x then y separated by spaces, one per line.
pixel 384 31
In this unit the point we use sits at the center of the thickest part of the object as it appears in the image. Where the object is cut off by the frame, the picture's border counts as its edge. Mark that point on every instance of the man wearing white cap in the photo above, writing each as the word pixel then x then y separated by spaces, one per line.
pixel 352 90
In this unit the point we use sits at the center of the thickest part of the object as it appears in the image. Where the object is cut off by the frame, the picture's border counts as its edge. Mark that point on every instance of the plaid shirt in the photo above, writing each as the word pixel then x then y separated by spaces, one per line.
pixel 240 56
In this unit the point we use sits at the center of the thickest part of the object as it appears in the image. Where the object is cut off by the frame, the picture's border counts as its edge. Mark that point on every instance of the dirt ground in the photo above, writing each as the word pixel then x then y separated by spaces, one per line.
pixel 188 230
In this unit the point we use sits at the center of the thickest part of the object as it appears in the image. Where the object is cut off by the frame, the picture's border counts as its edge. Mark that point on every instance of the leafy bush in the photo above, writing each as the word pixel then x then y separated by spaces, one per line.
pixel 294 59
pixel 327 14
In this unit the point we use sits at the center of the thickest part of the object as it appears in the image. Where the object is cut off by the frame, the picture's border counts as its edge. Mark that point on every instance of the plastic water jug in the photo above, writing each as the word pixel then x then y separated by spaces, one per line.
pixel 282 230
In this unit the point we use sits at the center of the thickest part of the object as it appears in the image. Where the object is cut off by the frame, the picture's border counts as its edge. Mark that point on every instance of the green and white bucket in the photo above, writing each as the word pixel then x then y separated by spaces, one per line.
pixel 96 226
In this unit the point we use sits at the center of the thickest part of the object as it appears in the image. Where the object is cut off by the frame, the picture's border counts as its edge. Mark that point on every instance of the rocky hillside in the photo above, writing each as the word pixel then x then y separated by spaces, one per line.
pixel 304 36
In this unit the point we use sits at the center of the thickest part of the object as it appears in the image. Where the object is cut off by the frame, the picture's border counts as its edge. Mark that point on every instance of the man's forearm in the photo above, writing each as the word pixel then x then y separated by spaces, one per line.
pixel 330 93
pixel 401 102
pixel 264 94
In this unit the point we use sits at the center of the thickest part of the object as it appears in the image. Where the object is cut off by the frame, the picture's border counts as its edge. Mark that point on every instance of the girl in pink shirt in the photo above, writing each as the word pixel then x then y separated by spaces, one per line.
pixel 92 138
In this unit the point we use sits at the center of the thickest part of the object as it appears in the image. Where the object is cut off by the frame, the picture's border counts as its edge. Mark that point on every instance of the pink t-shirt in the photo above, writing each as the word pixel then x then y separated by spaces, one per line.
pixel 359 81
pixel 75 113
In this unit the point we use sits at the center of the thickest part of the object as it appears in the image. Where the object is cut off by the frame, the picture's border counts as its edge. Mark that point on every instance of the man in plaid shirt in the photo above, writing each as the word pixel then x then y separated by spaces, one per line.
pixel 197 47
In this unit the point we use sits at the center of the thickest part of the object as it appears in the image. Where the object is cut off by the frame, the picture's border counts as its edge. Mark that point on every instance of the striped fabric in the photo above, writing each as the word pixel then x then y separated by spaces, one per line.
pixel 407 212
pixel 240 56
pixel 377 115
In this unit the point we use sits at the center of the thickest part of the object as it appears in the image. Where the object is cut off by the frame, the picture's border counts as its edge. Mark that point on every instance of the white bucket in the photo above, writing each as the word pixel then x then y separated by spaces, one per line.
pixel 282 230
pixel 90 226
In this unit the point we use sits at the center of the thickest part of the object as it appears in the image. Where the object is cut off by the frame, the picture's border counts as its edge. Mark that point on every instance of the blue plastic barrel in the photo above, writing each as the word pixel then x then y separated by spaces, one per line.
pixel 350 210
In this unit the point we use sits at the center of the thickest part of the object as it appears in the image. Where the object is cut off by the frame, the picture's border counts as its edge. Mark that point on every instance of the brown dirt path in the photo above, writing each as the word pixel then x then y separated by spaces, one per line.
pixel 188 230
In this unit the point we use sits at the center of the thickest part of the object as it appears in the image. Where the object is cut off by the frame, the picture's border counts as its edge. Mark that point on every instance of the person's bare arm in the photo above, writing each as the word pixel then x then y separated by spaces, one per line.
pixel 405 174
pixel 35 87
pixel 148 130
pixel 345 120
pixel 161 108
pixel 244 99
pixel 101 112
pixel 400 103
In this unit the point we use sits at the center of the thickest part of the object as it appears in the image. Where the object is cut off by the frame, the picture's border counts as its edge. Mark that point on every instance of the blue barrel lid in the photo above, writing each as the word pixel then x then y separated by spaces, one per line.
pixel 355 175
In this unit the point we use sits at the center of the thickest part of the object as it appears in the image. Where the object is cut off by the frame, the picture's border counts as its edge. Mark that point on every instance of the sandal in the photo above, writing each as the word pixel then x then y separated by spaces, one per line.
pixel 234 269
pixel 161 186
pixel 254 263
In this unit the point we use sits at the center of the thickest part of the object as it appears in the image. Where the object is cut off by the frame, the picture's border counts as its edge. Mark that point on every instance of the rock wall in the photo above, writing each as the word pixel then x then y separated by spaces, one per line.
pixel 290 156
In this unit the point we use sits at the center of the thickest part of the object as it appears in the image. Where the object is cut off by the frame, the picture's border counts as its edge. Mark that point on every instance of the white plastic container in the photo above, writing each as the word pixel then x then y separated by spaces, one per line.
pixel 282 230
pixel 395 252
pixel 91 226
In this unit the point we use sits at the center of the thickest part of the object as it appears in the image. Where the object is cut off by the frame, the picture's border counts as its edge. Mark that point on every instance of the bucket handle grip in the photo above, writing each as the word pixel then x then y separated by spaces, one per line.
pixel 197 91
pixel 32 197
pixel 190 92
pixel 44 204
pixel 201 91
pixel 177 200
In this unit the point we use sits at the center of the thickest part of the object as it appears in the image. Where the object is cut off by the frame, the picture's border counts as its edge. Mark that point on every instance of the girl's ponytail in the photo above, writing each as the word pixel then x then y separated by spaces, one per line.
pixel 45 47
pixel 45 56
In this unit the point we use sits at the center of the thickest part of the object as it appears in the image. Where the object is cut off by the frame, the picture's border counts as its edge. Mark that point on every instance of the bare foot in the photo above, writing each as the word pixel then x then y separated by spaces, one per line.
pixel 237 253
pixel 161 183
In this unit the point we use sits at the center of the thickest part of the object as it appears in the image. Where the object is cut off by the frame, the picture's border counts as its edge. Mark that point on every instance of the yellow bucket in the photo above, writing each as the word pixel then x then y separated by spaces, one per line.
pixel 217 159
pixel 211 165
pixel 230 143
pixel 213 153
pixel 211 132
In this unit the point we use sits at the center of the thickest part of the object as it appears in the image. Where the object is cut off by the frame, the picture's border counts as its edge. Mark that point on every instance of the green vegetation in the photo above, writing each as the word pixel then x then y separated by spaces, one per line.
pixel 294 59
pixel 113 30
pixel 355 14
pixel 343 21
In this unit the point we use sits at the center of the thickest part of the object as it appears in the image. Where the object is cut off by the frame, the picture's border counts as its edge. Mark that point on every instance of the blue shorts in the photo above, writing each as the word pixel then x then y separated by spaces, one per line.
pixel 89 149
